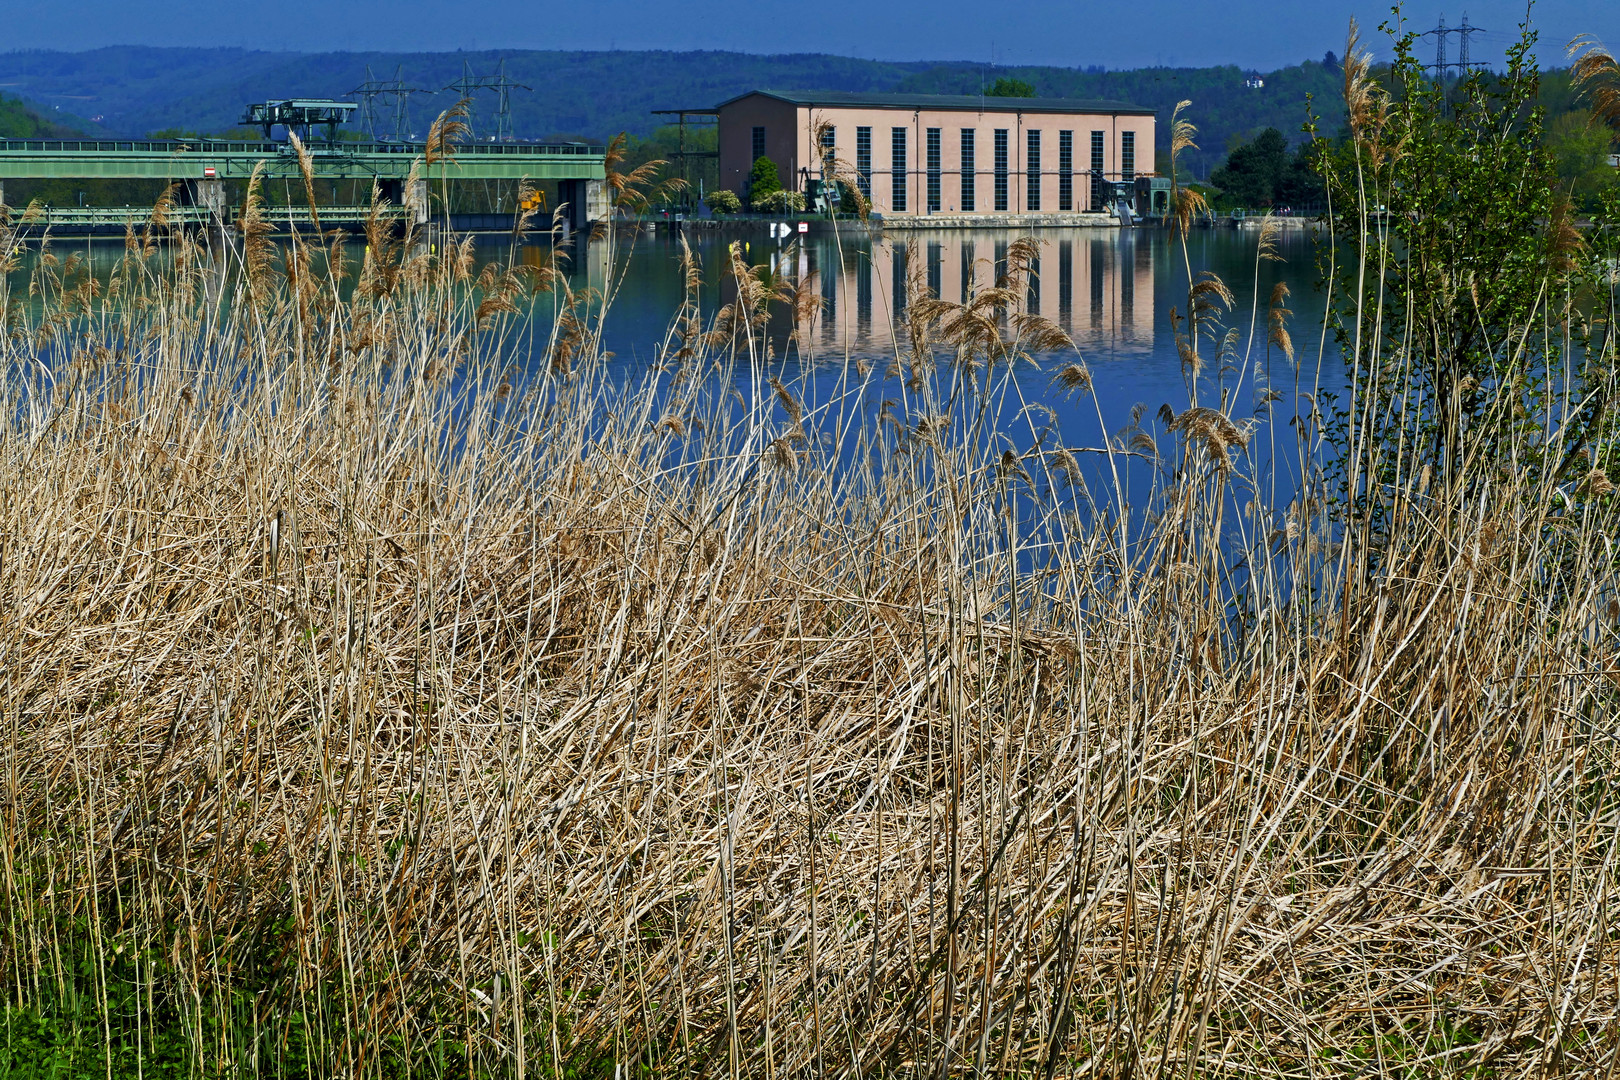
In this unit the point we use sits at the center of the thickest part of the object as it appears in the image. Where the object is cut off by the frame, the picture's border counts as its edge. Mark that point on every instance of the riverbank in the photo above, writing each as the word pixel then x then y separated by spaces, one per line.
pixel 899 225
pixel 817 224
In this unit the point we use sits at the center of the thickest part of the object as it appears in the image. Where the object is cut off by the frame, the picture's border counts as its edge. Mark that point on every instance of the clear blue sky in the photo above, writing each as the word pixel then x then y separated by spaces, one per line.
pixel 1253 33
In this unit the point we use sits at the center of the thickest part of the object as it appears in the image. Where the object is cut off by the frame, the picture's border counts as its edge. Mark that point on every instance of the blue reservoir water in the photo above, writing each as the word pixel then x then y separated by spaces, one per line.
pixel 1112 291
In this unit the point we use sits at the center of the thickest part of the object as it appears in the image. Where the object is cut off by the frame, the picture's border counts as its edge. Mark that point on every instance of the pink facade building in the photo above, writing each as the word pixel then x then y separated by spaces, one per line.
pixel 917 154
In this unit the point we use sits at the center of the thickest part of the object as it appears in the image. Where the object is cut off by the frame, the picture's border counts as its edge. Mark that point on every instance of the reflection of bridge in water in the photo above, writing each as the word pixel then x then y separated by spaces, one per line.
pixel 1097 285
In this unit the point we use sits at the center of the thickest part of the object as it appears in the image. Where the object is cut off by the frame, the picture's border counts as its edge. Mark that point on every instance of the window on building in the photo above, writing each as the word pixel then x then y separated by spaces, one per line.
pixel 759 143
pixel 1097 138
pixel 1127 155
pixel 1065 170
pixel 829 141
pixel 897 175
pixel 863 159
pixel 1032 169
pixel 933 170
pixel 967 170
pixel 1001 169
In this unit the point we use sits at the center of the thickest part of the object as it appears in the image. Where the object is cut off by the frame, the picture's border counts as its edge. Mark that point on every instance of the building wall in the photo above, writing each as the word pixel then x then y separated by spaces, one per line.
pixel 799 162
pixel 782 137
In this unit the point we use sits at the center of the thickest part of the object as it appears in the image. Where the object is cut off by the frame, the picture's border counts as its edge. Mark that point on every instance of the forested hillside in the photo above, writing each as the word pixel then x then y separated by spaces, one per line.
pixel 1225 109
pixel 18 121
pixel 136 91
pixel 598 94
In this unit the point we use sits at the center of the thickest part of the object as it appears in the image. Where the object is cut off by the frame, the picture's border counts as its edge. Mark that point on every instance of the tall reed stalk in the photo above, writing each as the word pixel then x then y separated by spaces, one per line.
pixel 380 702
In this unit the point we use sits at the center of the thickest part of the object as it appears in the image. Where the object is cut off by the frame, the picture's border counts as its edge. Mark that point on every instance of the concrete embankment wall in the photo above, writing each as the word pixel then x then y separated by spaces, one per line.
pixel 819 226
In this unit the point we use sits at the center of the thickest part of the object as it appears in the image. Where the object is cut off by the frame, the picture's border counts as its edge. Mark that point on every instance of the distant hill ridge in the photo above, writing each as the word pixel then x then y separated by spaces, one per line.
pixel 135 90
pixel 20 120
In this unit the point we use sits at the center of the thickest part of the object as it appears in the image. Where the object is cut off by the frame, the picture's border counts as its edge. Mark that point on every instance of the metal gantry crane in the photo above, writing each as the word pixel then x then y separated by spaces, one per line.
pixel 302 115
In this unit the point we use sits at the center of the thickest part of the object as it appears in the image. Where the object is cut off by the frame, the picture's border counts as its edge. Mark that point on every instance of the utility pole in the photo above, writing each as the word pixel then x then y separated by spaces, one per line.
pixel 1463 66
pixel 393 91
pixel 1441 33
pixel 503 87
pixel 368 93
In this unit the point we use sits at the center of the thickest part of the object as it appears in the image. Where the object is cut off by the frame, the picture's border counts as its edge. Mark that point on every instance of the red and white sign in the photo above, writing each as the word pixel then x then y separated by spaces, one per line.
pixel 804 226
pixel 208 172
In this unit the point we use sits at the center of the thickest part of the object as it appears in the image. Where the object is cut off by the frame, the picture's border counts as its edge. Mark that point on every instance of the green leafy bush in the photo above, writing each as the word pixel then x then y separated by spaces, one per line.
pixel 780 201
pixel 1461 273
pixel 1580 150
pixel 1005 87
pixel 851 201
pixel 722 201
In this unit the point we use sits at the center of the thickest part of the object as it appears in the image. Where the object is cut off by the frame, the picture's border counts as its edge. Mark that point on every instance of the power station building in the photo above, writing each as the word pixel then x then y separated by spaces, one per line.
pixel 917 154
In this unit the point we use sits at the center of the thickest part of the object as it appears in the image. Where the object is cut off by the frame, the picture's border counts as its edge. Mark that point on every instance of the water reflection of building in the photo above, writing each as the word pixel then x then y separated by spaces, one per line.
pixel 1097 286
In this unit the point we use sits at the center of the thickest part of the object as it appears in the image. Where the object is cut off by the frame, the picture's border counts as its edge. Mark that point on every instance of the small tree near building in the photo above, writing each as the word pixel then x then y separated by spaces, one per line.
pixel 763 180
pixel 1580 152
pixel 1263 173
pixel 851 201
pixel 1005 87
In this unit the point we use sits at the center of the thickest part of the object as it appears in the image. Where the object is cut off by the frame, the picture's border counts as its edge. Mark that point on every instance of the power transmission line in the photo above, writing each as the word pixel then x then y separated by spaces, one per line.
pixel 1442 33
pixel 393 91
pixel 503 87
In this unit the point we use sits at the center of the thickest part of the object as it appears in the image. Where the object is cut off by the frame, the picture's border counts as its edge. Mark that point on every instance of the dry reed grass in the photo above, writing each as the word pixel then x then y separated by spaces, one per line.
pixel 354 675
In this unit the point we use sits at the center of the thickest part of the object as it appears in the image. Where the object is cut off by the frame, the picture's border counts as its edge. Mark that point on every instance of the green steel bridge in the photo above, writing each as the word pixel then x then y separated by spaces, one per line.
pixel 173 159
pixel 202 165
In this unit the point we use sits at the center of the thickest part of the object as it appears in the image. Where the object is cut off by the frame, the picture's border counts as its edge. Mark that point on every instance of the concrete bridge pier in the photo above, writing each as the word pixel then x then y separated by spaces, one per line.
pixel 587 203
pixel 414 200
pixel 210 195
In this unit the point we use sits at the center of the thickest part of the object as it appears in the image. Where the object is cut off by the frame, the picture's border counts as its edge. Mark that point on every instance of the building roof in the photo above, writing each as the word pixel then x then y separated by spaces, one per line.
pixel 948 102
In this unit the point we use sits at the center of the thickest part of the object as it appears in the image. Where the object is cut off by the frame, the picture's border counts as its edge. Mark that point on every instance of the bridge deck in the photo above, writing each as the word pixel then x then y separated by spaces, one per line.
pixel 31 159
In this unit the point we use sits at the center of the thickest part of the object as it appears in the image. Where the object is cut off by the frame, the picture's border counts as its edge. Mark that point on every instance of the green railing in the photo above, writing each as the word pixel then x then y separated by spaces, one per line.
pixel 227 146
pixel 115 216
pixel 101 215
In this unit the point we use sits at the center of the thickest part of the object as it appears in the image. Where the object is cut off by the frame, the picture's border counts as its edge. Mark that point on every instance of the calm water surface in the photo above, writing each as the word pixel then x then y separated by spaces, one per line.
pixel 1111 290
